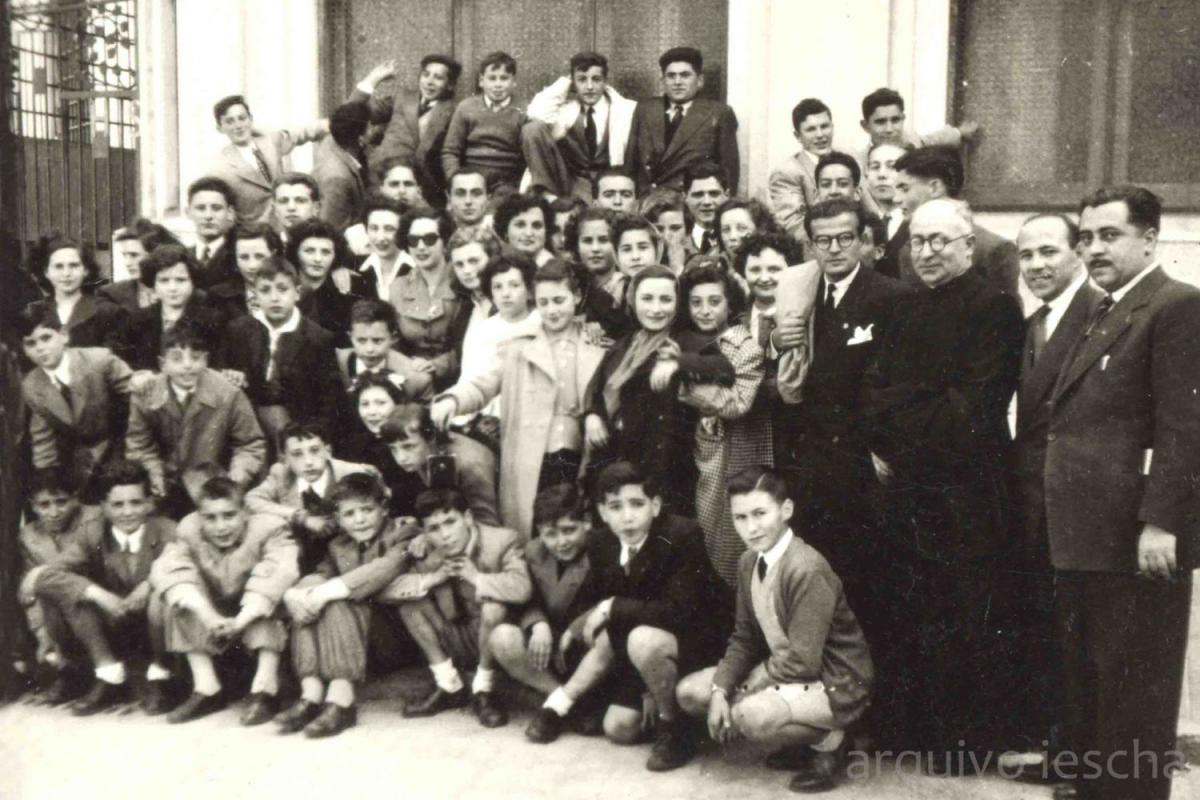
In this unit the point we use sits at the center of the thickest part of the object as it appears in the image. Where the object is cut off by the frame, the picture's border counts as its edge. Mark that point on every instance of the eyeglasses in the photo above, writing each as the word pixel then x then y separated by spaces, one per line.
pixel 428 239
pixel 937 243
pixel 844 240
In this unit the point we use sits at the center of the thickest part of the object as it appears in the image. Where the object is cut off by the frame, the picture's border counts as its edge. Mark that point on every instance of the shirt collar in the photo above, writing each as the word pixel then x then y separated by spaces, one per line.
pixel 131 542
pixel 1059 304
pixel 274 332
pixel 319 485
pixel 1124 290
pixel 843 283
pixel 180 394
pixel 61 373
pixel 497 106
pixel 776 552
pixel 627 553
pixel 685 106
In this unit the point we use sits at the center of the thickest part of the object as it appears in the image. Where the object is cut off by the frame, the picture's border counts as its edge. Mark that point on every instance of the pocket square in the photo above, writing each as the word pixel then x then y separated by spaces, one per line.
pixel 862 335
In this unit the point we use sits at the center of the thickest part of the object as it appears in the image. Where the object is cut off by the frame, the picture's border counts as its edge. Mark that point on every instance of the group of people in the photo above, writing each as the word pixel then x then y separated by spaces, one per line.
pixel 534 391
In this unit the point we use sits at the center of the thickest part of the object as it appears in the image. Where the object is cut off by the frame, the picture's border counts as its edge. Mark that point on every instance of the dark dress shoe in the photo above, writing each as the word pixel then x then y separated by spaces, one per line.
pixel 488 710
pixel 157 699
pixel 103 695
pixel 195 707
pixel 260 709
pixel 332 720
pixel 297 715
pixel 789 759
pixel 545 726
pixel 436 702
pixel 587 721
pixel 822 771
pixel 674 746
pixel 66 687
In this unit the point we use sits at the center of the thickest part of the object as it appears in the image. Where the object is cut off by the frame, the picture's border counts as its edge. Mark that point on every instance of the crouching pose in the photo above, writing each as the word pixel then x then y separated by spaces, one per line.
pixel 95 598
pixel 797 671
pixel 221 581
pixel 338 625
pixel 662 611
pixel 468 583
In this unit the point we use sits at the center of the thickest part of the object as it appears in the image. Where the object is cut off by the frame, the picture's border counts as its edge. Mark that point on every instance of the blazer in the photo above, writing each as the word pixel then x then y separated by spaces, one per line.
pixel 554 106
pixel 86 433
pixel 524 372
pixel 218 267
pixel 343 186
pixel 994 257
pixel 279 493
pixel 500 558
pixel 1123 447
pixel 825 642
pixel 369 567
pixel 935 406
pixel 1033 411
pixel 95 558
pixel 252 192
pixel 708 132
pixel 125 294
pixel 143 345
pixel 256 571
pixel 418 385
pixel 39 548
pixel 306 372
pixel 408 136
pixel 94 322
pixel 331 309
pixel 792 187
pixel 218 426
pixel 426 322
pixel 556 598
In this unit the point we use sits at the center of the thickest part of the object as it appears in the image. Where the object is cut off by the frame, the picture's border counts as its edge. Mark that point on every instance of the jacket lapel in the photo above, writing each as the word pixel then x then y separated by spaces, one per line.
pixel 408 110
pixel 239 166
pixel 84 310
pixel 1037 382
pixel 50 398
pixel 539 355
pixel 696 118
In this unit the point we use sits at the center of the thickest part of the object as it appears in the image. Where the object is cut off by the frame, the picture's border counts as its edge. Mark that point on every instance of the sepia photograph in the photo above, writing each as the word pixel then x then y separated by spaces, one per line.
pixel 589 399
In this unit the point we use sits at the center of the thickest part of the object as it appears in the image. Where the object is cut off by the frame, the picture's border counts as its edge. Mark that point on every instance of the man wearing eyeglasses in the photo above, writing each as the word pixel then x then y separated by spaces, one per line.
pixel 935 409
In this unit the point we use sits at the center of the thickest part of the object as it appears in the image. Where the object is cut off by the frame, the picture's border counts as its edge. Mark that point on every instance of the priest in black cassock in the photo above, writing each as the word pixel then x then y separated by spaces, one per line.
pixel 935 408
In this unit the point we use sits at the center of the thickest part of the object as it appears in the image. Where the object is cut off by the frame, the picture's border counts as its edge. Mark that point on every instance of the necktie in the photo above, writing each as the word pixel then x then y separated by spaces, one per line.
pixel 706 241
pixel 589 131
pixel 830 296
pixel 65 391
pixel 762 568
pixel 262 164
pixel 423 107
pixel 630 553
pixel 311 500
pixel 1105 305
pixel 673 120
pixel 766 326
pixel 1037 333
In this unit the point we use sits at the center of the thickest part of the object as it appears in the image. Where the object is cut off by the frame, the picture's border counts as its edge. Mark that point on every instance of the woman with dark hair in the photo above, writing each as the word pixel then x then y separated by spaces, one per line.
pixel 316 249
pixel 373 397
pixel 737 219
pixel 735 431
pixel 469 251
pixel 169 272
pixel 588 241
pixel 525 222
pixel 133 243
pixel 252 245
pixel 67 271
pixel 424 298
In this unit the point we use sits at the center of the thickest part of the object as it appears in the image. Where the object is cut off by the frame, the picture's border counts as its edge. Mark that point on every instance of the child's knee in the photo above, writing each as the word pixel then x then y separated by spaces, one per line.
pixel 622 725
pixel 693 693
pixel 647 645
pixel 492 614
pixel 507 642
pixel 756 720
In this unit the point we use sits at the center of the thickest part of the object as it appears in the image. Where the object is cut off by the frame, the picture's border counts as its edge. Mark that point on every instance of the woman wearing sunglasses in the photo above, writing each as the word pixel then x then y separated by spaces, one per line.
pixel 424 299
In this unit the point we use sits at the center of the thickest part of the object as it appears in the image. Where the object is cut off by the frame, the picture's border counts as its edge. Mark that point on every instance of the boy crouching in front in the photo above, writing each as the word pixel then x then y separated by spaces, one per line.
pixel 221 581
pixel 338 625
pixel 472 580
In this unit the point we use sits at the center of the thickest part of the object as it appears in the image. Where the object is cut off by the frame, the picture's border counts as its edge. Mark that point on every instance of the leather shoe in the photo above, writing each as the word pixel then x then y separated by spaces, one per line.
pixel 195 707
pixel 66 687
pixel 587 721
pixel 822 771
pixel 332 720
pixel 673 747
pixel 156 700
pixel 488 710
pixel 789 759
pixel 436 702
pixel 297 715
pixel 260 709
pixel 545 726
pixel 103 695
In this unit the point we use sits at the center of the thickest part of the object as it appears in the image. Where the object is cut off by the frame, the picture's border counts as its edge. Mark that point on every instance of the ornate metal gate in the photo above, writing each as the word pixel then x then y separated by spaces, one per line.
pixel 74 116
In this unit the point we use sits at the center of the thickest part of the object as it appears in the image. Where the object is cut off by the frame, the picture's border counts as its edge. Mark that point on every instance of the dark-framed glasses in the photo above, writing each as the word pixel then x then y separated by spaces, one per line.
pixel 937 243
pixel 427 239
pixel 843 240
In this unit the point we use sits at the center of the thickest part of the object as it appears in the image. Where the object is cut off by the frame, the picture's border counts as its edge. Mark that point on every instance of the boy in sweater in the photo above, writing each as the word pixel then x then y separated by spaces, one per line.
pixel 485 131
pixel 797 670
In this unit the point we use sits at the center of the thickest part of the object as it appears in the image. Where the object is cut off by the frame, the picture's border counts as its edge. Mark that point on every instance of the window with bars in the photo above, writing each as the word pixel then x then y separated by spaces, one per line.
pixel 1075 94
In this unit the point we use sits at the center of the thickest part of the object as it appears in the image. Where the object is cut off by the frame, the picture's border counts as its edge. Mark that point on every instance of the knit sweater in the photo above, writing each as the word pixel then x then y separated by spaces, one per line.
pixel 483 139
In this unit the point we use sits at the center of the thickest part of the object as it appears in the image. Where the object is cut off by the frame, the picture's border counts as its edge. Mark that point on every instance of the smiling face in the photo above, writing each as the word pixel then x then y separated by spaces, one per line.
pixel 400 184
pixel 45 346
pixel 293 202
pixel 54 510
pixel 371 342
pixel 425 244
pixel 433 81
pixel 681 82
pixel 127 506
pixel 183 367
pixel 1048 262
pixel 236 124
pixel 468 261
pixel 527 232
pixel 886 124
pixel 629 512
pixel 762 273
pixel 616 193
pixel 382 225
pixel 836 180
pixel 361 518
pixel 222 521
pixel 565 538
pixel 736 225
pixel 759 519
pixel 636 251
pixel 211 214
pixel 510 294
pixel 449 530
pixel 654 304
pixel 556 305
pixel 173 286
pixel 307 457
pixel 703 197
pixel 1113 248
pixel 497 83
pixel 468 198
pixel 595 247
pixel 708 307
pixel 316 259
pixel 65 272
pixel 374 407
pixel 816 133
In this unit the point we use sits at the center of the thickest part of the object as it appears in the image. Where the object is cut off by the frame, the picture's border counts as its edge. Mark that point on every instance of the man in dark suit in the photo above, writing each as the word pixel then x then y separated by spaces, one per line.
pixel 415 122
pixel 1121 475
pixel 820 443
pixel 928 173
pixel 672 134
pixel 211 210
pixel 338 166
pixel 935 407
pixel 1054 274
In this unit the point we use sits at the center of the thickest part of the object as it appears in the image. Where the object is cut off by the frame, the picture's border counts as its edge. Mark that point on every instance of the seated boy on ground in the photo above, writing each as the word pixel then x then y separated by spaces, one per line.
pixel 662 610
pixel 95 596
pixel 534 650
pixel 220 582
pixel 300 487
pixel 471 580
pixel 797 670
pixel 339 629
